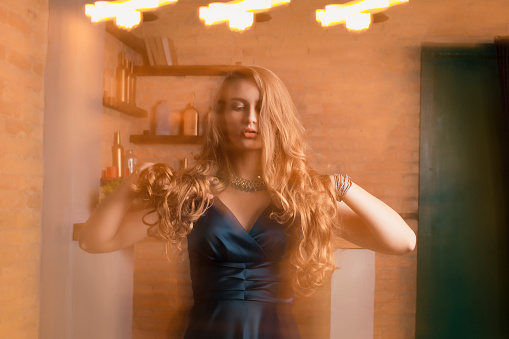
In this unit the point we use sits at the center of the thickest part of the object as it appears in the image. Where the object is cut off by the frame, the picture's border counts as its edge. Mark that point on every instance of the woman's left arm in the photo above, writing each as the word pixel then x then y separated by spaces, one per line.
pixel 369 223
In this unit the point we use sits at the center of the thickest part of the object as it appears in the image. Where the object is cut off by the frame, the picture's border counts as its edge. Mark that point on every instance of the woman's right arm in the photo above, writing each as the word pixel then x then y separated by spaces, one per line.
pixel 117 222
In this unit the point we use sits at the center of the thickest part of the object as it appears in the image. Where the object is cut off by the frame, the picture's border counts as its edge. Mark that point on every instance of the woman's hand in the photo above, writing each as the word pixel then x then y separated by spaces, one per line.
pixel 131 181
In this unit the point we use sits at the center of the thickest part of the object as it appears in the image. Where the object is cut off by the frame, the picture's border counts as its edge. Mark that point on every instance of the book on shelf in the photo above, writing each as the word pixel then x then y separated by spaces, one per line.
pixel 166 49
pixel 149 52
pixel 160 51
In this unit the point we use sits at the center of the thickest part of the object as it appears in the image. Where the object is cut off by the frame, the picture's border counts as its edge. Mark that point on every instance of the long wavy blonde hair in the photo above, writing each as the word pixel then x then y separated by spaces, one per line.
pixel 299 193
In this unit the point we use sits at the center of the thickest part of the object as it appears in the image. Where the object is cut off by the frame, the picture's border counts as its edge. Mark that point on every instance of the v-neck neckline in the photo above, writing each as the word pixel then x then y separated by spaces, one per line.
pixel 232 216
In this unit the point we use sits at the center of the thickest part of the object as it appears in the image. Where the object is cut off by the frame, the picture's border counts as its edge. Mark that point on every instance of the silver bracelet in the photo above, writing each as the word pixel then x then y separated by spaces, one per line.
pixel 342 185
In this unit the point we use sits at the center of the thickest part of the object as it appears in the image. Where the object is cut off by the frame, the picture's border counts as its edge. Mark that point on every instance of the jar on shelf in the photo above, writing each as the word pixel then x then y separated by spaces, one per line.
pixel 162 117
pixel 190 120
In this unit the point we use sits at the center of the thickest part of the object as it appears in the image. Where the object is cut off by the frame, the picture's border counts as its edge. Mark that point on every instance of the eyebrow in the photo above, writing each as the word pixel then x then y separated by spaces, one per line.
pixel 244 100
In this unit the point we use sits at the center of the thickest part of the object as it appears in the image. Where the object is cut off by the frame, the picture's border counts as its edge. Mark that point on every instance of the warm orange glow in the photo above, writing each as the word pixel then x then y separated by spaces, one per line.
pixel 126 13
pixel 239 14
pixel 355 14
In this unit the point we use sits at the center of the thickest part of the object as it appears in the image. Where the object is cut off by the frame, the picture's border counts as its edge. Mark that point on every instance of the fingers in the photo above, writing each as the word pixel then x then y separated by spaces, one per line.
pixel 132 179
pixel 139 168
pixel 144 166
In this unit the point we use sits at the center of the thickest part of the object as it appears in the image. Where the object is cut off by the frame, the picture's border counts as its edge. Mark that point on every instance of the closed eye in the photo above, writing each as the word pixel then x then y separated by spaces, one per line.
pixel 237 108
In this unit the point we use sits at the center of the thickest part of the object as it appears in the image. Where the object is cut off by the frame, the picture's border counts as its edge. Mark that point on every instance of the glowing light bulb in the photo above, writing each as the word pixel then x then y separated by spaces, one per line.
pixel 242 20
pixel 239 14
pixel 128 19
pixel 355 14
pixel 126 13
pixel 358 21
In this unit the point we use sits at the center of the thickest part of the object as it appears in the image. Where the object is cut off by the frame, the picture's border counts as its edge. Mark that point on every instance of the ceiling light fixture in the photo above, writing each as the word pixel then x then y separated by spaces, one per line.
pixel 356 15
pixel 238 14
pixel 126 14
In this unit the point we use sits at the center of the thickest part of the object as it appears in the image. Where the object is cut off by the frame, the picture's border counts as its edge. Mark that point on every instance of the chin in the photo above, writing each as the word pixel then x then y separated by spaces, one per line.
pixel 252 145
pixel 248 149
pixel 245 145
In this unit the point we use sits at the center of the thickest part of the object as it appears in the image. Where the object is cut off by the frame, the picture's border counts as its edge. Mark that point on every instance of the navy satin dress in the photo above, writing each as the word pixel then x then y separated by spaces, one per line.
pixel 239 287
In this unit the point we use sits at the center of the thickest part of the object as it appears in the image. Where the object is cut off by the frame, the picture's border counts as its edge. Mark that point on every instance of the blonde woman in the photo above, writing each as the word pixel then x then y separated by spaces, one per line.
pixel 258 220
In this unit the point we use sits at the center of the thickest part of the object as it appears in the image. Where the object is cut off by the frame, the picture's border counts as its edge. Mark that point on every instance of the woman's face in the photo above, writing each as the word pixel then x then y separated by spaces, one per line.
pixel 241 115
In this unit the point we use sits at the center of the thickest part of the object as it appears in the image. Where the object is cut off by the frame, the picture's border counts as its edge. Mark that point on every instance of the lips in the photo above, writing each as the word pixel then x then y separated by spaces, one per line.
pixel 250 133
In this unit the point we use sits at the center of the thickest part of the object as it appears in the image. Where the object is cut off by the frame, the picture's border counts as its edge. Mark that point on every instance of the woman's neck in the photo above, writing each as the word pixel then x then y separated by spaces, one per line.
pixel 247 165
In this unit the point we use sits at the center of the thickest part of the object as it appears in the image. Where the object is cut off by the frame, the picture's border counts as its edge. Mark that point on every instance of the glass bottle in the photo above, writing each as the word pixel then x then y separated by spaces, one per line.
pixel 121 79
pixel 131 161
pixel 117 152
pixel 132 84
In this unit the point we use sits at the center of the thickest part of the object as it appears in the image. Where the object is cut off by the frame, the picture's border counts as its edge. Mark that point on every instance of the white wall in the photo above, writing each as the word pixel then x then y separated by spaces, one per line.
pixel 353 295
pixel 82 295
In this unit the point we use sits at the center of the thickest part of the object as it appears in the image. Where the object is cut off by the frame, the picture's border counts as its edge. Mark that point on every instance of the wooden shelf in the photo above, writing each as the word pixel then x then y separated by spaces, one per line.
pixel 76 231
pixel 149 139
pixel 409 216
pixel 138 45
pixel 129 39
pixel 128 109
pixel 184 70
pixel 340 243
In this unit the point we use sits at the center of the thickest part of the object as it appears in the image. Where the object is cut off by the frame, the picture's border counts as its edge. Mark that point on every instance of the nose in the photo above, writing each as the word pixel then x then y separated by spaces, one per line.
pixel 252 115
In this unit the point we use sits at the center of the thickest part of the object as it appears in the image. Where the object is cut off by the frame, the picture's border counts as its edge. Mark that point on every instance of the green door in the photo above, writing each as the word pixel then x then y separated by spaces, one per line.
pixel 462 254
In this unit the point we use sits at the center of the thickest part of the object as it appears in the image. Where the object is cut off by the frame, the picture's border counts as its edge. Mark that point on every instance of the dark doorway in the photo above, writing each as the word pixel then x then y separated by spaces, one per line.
pixel 462 255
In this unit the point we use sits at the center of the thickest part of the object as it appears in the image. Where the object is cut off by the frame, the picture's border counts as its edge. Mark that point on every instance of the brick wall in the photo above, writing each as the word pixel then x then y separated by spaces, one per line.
pixel 359 98
pixel 23 45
